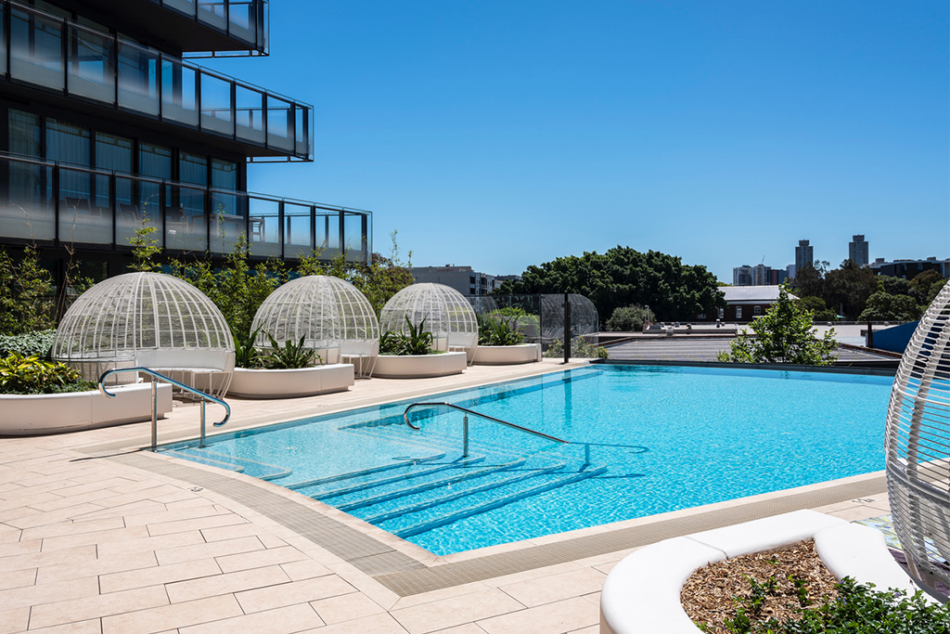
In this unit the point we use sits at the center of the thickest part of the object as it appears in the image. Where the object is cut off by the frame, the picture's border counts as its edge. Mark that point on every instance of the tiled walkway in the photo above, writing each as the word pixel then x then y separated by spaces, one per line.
pixel 95 539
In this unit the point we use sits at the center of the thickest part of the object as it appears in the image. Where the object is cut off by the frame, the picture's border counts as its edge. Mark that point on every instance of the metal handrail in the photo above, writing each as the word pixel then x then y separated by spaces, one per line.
pixel 405 417
pixel 158 375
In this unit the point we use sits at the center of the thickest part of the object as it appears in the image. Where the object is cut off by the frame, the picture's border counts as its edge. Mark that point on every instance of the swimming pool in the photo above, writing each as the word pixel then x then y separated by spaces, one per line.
pixel 644 440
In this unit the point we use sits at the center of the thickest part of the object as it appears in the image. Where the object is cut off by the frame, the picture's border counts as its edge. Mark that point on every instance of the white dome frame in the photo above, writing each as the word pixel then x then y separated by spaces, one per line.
pixel 333 316
pixel 917 447
pixel 150 320
pixel 448 315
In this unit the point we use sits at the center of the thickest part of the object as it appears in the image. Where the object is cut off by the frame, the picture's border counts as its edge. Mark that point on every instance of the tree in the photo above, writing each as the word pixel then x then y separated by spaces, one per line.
pixel 809 282
pixel 783 335
pixel 622 277
pixel 144 247
pixel 820 312
pixel 26 290
pixel 848 288
pixel 629 319
pixel 883 307
pixel 922 285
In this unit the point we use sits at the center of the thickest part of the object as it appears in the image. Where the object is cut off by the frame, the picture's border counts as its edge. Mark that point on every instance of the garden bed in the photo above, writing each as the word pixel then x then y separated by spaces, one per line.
pixel 420 365
pixel 319 379
pixel 33 414
pixel 507 355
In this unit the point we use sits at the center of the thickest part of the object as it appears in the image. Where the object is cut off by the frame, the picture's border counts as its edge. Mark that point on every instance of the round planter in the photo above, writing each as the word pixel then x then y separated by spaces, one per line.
pixel 28 415
pixel 319 379
pixel 420 366
pixel 507 355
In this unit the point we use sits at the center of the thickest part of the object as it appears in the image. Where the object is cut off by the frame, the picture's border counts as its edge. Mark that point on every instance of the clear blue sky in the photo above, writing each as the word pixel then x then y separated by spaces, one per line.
pixel 501 134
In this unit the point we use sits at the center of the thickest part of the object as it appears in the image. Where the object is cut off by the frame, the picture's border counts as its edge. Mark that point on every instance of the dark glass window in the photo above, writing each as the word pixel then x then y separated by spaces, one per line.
pixel 24 133
pixel 67 143
pixel 192 168
pixel 113 153
pixel 155 161
pixel 224 174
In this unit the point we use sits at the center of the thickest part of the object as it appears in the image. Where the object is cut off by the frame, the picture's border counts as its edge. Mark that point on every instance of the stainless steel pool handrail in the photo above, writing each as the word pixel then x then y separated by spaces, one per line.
pixel 405 417
pixel 158 375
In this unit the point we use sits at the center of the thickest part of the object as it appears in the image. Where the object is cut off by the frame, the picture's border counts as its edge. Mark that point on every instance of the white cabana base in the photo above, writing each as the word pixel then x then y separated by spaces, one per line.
pixel 319 379
pixel 420 366
pixel 28 415
pixel 507 355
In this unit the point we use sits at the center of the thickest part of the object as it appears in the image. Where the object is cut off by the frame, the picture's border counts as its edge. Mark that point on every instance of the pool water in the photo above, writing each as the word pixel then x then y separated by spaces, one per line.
pixel 644 440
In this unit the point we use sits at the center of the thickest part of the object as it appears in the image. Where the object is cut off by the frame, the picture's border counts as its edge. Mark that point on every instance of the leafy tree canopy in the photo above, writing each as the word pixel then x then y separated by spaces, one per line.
pixel 784 334
pixel 883 307
pixel 623 277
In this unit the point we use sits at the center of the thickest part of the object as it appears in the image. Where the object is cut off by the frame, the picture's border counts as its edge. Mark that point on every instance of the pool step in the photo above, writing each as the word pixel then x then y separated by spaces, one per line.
pixel 408 473
pixel 363 474
pixel 459 493
pixel 421 487
pixel 254 468
pixel 468 509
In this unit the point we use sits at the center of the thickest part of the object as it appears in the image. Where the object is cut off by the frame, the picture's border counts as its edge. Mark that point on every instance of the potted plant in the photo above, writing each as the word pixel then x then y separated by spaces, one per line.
pixel 412 355
pixel 500 342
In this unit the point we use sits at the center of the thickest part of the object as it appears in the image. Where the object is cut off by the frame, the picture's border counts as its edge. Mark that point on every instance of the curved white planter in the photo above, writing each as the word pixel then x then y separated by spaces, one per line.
pixel 420 366
pixel 507 355
pixel 26 415
pixel 319 379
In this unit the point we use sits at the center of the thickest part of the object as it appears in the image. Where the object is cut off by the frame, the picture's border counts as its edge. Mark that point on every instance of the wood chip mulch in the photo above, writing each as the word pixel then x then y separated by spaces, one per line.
pixel 708 596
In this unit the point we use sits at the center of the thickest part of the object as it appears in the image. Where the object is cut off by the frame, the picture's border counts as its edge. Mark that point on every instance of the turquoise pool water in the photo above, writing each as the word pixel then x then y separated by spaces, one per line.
pixel 644 440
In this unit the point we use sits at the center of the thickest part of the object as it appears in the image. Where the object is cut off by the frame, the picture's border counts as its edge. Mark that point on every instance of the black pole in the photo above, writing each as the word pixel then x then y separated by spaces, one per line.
pixel 567 328
pixel 870 340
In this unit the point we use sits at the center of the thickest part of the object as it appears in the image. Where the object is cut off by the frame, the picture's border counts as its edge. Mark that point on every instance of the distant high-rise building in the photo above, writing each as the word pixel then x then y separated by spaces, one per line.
pixel 804 254
pixel 742 275
pixel 858 251
pixel 761 275
pixel 777 276
pixel 790 271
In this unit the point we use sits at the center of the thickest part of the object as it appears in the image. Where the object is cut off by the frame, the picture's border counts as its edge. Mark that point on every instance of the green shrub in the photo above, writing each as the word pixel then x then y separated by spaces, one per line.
pixel 496 330
pixel 292 356
pixel 28 344
pixel 629 319
pixel 580 349
pixel 20 374
pixel 417 342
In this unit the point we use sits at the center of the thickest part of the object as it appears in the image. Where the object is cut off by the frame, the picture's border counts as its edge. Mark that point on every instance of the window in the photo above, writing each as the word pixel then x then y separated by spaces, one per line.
pixel 192 169
pixel 738 312
pixel 224 174
pixel 722 313
pixel 67 143
pixel 757 311
pixel 155 161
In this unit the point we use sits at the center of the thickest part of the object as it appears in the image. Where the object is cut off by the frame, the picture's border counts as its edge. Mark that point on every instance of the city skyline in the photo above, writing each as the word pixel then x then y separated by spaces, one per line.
pixel 504 135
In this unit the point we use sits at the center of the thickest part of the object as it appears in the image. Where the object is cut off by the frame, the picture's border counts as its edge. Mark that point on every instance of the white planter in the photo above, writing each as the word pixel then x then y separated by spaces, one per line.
pixel 420 366
pixel 507 355
pixel 26 415
pixel 319 379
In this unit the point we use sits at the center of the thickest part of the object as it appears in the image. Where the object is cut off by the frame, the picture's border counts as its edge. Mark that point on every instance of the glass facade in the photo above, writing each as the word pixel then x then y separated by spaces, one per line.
pixel 51 51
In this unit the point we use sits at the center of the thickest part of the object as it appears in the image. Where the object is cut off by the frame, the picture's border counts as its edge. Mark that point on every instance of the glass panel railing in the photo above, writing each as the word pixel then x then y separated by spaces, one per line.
pixel 26 210
pixel 91 71
pixel 36 48
pixel 179 93
pixel 249 115
pixel 242 21
pixel 188 7
pixel 303 131
pixel 263 227
pixel 280 124
pixel 216 105
pixel 212 13
pixel 46 201
pixel 3 43
pixel 138 78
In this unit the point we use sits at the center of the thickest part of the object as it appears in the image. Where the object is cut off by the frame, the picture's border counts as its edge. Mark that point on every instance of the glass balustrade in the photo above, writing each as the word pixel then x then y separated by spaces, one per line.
pixel 51 203
pixel 52 53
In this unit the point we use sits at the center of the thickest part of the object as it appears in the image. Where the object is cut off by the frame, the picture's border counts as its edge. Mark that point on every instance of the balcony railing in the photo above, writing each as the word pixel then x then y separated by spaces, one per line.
pixel 58 204
pixel 54 54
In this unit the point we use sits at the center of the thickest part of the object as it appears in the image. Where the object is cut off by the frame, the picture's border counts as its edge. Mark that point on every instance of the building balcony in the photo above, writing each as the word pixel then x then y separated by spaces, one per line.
pixel 194 28
pixel 93 72
pixel 58 205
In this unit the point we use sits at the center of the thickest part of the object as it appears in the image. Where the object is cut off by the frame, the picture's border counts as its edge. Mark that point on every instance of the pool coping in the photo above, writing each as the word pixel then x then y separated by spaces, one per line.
pixel 407 570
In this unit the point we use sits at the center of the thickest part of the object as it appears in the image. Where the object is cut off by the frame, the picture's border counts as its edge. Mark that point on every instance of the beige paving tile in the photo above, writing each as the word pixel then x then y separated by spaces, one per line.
pixel 346 607
pixel 551 618
pixel 21 548
pixel 191 590
pixel 287 620
pixel 36 595
pixel 291 593
pixel 162 543
pixel 243 529
pixel 468 628
pixel 113 536
pixel 856 513
pixel 100 498
pixel 593 597
pixel 593 629
pixel 204 550
pixel 259 558
pixel 455 611
pixel 175 616
pixel 92 626
pixel 439 595
pixel 155 574
pixel 376 624
pixel 18 578
pixel 99 484
pixel 97 606
pixel 529 575
pixel 305 569
pixel 556 587
pixel 73 528
pixel 128 511
pixel 14 620
pixel 195 524
pixel 53 517
pixel 95 567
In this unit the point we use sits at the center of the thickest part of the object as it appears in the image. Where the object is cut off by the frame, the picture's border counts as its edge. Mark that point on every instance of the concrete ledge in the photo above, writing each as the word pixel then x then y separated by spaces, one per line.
pixel 420 366
pixel 507 355
pixel 28 415
pixel 642 592
pixel 319 379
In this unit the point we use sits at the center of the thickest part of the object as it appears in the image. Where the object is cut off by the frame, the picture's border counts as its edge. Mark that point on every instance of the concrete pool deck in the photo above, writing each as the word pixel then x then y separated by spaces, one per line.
pixel 95 537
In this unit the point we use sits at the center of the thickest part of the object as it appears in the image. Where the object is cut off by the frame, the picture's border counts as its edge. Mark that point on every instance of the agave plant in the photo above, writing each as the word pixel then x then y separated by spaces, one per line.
pixel 246 352
pixel 417 342
pixel 498 331
pixel 291 356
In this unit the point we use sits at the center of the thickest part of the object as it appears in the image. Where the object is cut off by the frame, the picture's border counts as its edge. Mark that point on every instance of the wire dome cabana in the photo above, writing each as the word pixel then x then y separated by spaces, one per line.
pixel 917 448
pixel 447 313
pixel 151 320
pixel 334 318
pixel 584 318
